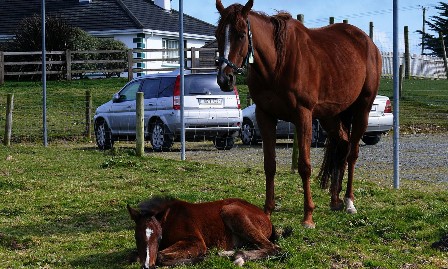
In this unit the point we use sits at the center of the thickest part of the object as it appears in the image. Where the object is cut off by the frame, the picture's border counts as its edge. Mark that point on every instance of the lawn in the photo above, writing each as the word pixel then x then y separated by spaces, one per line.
pixel 64 207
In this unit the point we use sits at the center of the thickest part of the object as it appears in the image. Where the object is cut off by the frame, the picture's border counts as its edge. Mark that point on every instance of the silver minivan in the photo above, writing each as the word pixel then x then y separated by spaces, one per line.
pixel 209 113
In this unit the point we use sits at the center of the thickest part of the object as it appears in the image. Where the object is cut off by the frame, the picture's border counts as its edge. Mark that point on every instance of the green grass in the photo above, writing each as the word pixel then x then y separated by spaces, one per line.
pixel 64 207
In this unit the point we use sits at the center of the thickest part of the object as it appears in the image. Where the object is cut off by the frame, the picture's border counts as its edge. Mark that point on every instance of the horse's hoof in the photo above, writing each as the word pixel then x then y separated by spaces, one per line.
pixel 350 207
pixel 239 262
pixel 337 207
pixel 309 225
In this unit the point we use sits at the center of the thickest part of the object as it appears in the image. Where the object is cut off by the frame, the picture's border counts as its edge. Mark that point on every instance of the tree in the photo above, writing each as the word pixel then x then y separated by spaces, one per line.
pixel 437 24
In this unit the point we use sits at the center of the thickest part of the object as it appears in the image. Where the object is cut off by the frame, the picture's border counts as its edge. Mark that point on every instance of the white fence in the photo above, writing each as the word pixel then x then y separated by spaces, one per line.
pixel 423 66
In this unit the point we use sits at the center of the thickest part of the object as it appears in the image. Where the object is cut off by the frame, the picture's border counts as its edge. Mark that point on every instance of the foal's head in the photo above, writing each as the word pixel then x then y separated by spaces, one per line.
pixel 148 234
pixel 233 38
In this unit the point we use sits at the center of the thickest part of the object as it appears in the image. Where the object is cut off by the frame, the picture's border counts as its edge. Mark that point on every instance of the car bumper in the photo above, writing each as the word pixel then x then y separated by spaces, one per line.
pixel 380 124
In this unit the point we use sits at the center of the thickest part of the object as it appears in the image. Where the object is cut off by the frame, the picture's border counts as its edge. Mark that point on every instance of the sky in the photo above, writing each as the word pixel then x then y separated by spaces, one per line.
pixel 317 13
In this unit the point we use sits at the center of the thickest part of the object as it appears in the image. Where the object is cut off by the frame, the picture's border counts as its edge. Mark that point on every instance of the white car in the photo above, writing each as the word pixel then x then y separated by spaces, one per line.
pixel 380 121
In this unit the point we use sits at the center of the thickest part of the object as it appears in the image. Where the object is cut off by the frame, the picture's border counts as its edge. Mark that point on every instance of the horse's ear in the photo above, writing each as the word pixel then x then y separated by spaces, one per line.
pixel 247 8
pixel 219 6
pixel 135 214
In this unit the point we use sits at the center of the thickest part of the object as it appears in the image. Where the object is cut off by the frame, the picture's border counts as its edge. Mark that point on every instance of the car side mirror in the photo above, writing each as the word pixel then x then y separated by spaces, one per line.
pixel 116 98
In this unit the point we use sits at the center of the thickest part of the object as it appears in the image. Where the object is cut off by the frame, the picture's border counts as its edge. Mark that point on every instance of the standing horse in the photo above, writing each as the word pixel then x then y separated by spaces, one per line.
pixel 169 231
pixel 295 74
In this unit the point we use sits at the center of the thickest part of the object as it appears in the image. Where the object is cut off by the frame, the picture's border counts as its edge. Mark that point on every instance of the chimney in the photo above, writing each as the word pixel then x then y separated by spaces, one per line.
pixel 165 4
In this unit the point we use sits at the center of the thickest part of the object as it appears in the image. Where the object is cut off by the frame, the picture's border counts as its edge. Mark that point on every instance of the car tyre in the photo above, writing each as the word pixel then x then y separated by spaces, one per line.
pixel 103 135
pixel 248 136
pixel 224 143
pixel 371 139
pixel 160 139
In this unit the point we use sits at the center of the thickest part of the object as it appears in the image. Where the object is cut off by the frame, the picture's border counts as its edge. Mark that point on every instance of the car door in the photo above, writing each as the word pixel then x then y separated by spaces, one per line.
pixel 122 113
pixel 150 88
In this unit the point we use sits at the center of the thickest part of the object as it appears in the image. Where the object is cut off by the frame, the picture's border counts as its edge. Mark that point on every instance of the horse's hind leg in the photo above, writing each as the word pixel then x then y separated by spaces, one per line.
pixel 182 252
pixel 249 228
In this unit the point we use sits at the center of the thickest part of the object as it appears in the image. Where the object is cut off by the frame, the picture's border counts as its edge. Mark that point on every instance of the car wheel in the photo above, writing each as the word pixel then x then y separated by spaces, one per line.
pixel 318 135
pixel 248 133
pixel 371 139
pixel 103 136
pixel 224 143
pixel 159 137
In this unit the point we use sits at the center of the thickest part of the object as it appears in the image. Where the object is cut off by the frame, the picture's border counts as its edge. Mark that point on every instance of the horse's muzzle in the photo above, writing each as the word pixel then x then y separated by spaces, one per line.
pixel 226 81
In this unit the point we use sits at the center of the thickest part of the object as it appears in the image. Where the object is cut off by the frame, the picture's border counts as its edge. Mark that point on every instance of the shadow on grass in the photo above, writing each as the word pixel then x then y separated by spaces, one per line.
pixel 109 260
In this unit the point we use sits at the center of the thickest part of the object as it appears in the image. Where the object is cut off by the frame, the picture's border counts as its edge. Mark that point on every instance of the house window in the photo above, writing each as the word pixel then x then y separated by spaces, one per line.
pixel 172 46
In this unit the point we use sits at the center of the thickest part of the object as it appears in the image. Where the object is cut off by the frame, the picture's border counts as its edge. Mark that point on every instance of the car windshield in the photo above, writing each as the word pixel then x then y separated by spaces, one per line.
pixel 203 85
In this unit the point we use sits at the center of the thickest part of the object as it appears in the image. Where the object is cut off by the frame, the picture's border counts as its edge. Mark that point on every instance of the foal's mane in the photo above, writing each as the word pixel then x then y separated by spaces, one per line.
pixel 279 20
pixel 155 205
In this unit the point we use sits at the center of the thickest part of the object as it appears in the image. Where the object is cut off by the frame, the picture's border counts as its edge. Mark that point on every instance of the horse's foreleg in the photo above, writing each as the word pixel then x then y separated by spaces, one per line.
pixel 304 129
pixel 182 252
pixel 267 126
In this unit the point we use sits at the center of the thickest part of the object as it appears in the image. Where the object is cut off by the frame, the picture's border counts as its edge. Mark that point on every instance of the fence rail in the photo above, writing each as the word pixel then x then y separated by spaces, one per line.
pixel 420 66
pixel 68 64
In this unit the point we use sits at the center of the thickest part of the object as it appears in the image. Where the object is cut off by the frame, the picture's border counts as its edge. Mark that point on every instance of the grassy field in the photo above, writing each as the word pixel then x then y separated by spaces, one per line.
pixel 64 207
pixel 423 108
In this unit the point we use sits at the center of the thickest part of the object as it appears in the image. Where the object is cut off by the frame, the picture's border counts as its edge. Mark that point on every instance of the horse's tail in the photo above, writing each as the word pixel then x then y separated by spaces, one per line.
pixel 276 234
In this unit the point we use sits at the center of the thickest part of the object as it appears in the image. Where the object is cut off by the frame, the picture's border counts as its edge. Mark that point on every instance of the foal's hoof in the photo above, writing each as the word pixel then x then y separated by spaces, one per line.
pixel 308 225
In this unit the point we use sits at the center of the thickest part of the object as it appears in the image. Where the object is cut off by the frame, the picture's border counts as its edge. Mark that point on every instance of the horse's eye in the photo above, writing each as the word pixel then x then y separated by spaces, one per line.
pixel 241 36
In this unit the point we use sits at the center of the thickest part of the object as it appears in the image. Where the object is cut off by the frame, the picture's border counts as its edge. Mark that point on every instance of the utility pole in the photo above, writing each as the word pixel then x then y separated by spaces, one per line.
pixel 423 29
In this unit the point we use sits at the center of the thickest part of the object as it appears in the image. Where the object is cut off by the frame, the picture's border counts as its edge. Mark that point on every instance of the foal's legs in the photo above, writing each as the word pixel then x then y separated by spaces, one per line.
pixel 249 227
pixel 182 252
pixel 267 126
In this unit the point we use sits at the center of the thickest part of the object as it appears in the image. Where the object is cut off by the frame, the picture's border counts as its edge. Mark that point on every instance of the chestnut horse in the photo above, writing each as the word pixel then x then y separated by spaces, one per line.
pixel 169 231
pixel 295 74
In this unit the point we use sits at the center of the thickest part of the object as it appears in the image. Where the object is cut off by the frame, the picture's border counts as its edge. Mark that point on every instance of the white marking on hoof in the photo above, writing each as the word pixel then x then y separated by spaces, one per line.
pixel 309 225
pixel 239 262
pixel 350 207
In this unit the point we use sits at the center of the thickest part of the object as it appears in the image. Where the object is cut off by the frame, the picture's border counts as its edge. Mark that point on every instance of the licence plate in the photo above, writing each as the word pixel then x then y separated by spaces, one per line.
pixel 374 107
pixel 210 101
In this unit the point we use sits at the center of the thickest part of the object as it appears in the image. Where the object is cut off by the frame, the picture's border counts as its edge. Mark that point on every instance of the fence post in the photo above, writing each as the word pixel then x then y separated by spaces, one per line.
pixel 193 60
pixel 301 18
pixel 345 21
pixel 400 82
pixel 130 64
pixel 2 68
pixel 445 63
pixel 88 114
pixel 331 20
pixel 8 125
pixel 140 125
pixel 68 62
pixel 371 30
pixel 407 55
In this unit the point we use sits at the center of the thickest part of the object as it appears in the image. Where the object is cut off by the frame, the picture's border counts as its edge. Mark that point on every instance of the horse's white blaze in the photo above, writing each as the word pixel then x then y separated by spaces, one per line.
pixel 148 235
pixel 226 47
pixel 350 207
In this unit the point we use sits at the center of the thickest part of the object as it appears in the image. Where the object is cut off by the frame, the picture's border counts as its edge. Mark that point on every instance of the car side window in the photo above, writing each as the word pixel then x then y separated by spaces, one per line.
pixel 167 87
pixel 129 93
pixel 150 88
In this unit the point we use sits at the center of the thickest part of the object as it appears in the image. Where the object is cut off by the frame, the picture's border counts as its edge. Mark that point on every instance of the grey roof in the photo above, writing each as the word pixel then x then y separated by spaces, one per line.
pixel 102 15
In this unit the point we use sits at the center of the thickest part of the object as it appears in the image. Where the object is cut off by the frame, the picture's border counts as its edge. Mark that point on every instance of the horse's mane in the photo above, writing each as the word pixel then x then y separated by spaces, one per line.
pixel 155 205
pixel 279 21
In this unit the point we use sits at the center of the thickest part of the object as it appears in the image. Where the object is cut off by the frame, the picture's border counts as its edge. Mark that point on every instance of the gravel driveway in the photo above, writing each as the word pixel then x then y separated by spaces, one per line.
pixel 422 157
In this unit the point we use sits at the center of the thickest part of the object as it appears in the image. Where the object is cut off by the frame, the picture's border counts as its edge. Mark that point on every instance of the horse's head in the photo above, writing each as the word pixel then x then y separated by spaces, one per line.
pixel 148 234
pixel 234 42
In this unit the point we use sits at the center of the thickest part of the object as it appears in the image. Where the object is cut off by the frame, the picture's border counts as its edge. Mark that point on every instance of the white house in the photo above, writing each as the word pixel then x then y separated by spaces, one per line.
pixel 148 24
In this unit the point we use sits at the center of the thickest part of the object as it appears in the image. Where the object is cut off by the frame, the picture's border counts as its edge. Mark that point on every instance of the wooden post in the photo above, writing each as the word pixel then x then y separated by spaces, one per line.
pixel 407 55
pixel 371 30
pixel 140 125
pixel 301 18
pixel 331 20
pixel 68 62
pixel 193 60
pixel 400 83
pixel 2 68
pixel 295 153
pixel 445 63
pixel 88 133
pixel 8 125
pixel 130 64
pixel 345 21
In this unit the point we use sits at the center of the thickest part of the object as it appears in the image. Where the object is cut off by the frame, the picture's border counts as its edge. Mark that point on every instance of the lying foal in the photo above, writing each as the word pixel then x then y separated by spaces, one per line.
pixel 170 232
